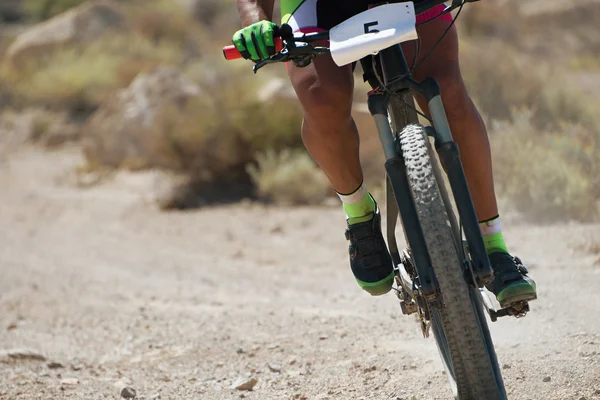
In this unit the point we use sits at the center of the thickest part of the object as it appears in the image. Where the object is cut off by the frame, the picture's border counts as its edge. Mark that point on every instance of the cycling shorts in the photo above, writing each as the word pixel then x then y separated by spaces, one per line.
pixel 315 15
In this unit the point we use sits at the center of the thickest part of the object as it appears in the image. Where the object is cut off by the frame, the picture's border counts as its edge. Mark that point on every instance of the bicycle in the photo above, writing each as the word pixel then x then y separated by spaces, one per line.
pixel 441 276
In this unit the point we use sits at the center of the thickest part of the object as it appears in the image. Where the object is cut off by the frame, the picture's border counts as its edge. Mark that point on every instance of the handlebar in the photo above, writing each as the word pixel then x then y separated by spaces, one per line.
pixel 232 53
pixel 291 42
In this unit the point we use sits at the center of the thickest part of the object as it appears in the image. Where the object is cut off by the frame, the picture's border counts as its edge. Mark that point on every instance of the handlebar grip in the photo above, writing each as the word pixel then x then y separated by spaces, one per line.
pixel 232 53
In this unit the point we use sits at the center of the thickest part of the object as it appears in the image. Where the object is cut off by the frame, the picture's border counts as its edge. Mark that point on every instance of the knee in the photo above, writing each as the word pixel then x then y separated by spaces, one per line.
pixel 325 100
pixel 454 93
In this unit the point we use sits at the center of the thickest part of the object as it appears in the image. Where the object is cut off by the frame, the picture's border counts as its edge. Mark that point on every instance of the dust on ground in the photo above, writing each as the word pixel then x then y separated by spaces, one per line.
pixel 99 291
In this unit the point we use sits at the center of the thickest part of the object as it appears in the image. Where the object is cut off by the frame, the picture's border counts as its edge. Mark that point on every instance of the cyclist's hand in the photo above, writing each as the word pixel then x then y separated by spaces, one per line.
pixel 256 42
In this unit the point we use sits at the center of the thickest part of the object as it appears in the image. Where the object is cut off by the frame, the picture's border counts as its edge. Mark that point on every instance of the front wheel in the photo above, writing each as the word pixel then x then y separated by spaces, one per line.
pixel 459 326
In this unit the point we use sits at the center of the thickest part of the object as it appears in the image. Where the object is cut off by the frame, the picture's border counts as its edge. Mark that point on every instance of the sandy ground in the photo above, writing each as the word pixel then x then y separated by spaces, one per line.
pixel 104 291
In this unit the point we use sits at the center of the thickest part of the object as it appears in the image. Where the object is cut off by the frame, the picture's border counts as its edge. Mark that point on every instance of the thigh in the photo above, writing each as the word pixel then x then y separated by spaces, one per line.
pixel 441 62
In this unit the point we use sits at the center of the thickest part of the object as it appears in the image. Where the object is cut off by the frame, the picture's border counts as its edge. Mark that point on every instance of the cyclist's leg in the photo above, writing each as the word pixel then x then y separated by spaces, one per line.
pixel 328 131
pixel 465 122
pixel 470 133
pixel 331 137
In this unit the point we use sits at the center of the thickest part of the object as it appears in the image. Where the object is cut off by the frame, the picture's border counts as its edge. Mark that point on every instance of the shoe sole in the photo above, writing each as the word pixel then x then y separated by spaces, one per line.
pixel 378 288
pixel 518 298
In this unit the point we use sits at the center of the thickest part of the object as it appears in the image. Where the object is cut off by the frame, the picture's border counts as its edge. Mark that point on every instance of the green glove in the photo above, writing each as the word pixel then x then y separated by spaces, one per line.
pixel 256 42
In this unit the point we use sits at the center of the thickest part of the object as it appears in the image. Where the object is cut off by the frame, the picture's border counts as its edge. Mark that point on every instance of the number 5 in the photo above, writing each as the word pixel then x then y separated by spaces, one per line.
pixel 368 26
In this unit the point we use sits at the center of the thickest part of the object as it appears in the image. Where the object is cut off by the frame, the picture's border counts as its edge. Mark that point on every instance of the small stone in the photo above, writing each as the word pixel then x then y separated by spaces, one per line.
pixel 55 365
pixel 245 383
pixel 11 326
pixel 128 393
pixel 240 351
pixel 22 355
pixel 273 346
pixel 597 391
pixel 322 396
pixel 546 379
pixel 370 369
pixel 292 361
pixel 274 367
pixel 506 366
pixel 583 398
pixel 323 337
pixel 155 396
pixel 76 367
pixel 69 381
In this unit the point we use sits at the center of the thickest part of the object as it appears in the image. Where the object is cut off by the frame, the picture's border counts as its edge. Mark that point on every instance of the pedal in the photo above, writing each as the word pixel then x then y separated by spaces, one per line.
pixel 517 310
pixel 408 307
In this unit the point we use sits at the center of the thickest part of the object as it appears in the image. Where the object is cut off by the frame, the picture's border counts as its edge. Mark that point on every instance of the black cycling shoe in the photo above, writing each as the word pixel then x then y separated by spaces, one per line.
pixel 511 283
pixel 370 259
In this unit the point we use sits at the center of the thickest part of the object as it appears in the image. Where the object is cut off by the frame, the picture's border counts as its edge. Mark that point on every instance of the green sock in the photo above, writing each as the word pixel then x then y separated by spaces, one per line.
pixel 359 206
pixel 492 236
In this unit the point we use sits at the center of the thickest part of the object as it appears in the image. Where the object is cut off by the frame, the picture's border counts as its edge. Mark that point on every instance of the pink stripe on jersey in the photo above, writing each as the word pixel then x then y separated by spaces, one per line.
pixel 433 14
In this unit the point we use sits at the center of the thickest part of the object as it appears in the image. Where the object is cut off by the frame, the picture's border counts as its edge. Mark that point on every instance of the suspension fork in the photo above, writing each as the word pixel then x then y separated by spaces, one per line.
pixel 396 172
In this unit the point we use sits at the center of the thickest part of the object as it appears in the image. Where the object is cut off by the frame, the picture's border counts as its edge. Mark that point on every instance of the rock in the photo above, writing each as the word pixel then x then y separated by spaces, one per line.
pixel 245 383
pixel 506 366
pixel 21 355
pixel 323 337
pixel 546 379
pixel 128 393
pixel 81 24
pixel 55 365
pixel 155 396
pixel 11 326
pixel 69 381
pixel 274 367
pixel 122 131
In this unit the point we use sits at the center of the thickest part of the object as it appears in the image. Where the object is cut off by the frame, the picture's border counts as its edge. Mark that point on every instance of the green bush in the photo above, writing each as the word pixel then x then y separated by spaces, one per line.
pixel 39 10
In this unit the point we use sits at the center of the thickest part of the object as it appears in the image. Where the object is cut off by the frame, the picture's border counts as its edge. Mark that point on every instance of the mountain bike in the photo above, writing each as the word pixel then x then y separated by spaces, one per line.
pixel 440 278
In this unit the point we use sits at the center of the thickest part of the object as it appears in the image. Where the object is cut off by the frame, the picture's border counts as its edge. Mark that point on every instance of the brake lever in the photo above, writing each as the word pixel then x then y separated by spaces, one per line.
pixel 282 56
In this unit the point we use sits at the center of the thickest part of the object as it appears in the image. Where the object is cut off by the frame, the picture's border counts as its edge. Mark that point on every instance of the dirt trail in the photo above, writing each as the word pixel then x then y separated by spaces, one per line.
pixel 181 305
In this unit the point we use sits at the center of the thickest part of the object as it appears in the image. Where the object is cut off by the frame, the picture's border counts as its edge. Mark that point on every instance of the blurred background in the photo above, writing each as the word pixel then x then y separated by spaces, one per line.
pixel 142 84
pixel 162 228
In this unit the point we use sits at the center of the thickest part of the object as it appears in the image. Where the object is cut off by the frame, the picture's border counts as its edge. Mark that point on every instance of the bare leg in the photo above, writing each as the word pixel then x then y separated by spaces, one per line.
pixel 466 124
pixel 328 131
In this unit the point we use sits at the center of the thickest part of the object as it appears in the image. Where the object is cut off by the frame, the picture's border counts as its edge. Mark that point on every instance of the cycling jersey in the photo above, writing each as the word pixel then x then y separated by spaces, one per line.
pixel 311 15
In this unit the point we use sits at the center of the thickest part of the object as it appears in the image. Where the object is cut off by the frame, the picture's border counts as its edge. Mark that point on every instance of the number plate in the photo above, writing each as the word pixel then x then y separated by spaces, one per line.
pixel 371 31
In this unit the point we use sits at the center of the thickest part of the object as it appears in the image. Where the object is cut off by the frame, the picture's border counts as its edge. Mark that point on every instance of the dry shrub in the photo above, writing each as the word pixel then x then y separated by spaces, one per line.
pixel 289 178
pixel 81 77
pixel 500 79
pixel 548 175
pixel 214 137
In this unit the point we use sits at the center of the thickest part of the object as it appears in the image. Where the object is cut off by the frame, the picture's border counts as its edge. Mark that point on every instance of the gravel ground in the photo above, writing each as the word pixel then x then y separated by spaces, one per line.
pixel 100 292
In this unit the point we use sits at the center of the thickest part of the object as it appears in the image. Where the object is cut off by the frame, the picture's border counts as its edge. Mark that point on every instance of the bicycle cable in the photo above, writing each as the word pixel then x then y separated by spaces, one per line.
pixel 430 52
pixel 417 51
